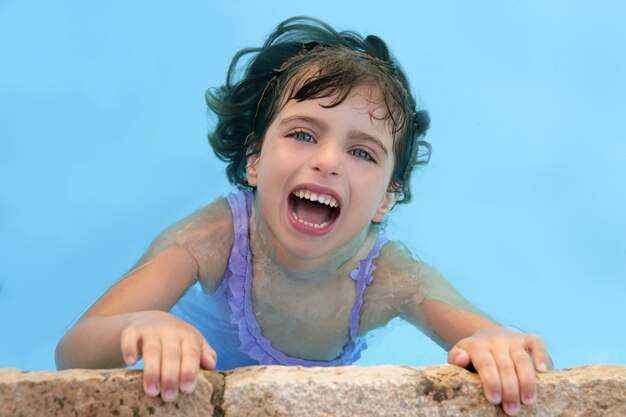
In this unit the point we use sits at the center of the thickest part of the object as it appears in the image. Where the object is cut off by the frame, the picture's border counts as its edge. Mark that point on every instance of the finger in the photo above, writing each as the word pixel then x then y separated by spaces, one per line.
pixel 151 352
pixel 525 375
pixel 487 369
pixel 128 343
pixel 509 380
pixel 170 369
pixel 189 365
pixel 458 357
pixel 208 356
pixel 535 345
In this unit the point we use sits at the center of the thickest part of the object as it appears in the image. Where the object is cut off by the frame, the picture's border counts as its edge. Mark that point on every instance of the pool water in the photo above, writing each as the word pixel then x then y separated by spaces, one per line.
pixel 103 145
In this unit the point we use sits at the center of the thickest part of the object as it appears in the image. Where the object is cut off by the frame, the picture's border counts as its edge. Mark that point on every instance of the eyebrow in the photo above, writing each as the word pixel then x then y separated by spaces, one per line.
pixel 357 134
pixel 320 124
pixel 307 119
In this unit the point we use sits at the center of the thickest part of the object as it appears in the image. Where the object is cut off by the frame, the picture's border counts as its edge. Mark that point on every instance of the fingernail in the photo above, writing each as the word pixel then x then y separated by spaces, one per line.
pixel 168 395
pixel 130 360
pixel 153 390
pixel 542 367
pixel 496 398
pixel 512 407
pixel 529 398
pixel 187 387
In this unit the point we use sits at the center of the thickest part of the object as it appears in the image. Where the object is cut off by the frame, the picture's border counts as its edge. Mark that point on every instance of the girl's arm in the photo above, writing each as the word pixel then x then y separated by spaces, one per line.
pixel 95 340
pixel 131 321
pixel 505 359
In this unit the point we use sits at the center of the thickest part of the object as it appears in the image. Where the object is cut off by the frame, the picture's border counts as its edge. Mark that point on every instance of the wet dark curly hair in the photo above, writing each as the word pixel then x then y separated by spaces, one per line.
pixel 303 59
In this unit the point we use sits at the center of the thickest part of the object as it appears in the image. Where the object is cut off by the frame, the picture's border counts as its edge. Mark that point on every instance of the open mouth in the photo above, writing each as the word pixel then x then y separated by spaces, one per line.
pixel 313 210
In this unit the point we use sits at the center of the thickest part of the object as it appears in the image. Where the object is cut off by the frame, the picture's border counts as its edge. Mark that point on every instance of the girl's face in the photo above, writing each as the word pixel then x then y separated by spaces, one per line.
pixel 322 175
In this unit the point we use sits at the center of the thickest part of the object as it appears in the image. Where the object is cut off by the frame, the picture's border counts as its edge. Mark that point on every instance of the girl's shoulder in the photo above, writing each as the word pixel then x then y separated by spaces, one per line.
pixel 401 269
pixel 208 235
pixel 399 279
pixel 397 264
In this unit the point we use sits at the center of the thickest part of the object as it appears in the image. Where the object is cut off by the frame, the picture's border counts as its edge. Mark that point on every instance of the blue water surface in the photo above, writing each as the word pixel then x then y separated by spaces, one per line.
pixel 103 144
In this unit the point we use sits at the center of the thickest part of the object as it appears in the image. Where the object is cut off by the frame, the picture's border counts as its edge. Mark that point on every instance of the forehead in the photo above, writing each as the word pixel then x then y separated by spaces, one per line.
pixel 363 100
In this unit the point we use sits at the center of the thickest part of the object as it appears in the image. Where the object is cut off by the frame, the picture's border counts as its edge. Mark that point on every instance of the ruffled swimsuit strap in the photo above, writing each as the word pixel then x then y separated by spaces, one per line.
pixel 239 281
pixel 363 275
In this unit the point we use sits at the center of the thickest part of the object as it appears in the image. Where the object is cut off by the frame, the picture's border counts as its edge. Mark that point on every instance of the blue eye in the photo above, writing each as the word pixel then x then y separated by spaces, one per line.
pixel 302 136
pixel 363 154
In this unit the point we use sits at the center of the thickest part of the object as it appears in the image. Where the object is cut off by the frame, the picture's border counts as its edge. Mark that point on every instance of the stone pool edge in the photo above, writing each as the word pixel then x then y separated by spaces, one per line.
pixel 444 390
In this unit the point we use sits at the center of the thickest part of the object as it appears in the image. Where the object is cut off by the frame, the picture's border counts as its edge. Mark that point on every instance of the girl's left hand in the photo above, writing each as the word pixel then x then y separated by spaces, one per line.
pixel 505 360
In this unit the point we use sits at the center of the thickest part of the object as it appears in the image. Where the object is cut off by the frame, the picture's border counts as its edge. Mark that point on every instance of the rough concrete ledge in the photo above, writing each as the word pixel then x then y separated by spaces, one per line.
pixel 588 391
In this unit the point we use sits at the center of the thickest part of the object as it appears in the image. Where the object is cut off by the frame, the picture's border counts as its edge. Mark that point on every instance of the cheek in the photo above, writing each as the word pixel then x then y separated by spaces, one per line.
pixel 273 168
pixel 389 172
pixel 375 179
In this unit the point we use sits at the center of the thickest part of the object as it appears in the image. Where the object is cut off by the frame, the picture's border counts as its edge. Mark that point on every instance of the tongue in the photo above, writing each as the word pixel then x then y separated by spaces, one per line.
pixel 311 211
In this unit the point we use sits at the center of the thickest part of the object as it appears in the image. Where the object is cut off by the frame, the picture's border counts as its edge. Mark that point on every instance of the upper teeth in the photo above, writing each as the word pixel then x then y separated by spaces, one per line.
pixel 321 198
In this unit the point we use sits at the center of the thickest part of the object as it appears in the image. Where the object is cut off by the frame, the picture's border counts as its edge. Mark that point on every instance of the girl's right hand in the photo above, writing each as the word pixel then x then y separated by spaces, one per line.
pixel 173 351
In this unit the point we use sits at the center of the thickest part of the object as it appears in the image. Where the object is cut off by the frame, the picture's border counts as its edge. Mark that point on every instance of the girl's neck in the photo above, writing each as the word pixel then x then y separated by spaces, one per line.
pixel 267 250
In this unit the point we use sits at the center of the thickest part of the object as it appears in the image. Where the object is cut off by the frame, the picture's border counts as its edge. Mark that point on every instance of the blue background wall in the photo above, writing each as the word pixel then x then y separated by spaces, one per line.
pixel 102 145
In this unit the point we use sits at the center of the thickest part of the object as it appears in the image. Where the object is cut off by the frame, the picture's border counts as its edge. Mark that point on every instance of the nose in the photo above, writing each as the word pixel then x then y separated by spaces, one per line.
pixel 327 160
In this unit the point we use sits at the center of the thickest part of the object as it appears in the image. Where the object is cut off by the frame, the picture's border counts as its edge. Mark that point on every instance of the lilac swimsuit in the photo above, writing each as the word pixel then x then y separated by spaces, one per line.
pixel 226 318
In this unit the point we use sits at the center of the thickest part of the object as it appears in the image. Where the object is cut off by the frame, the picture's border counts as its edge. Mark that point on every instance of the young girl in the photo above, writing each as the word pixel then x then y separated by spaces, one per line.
pixel 321 134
